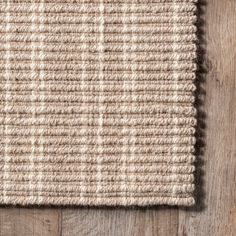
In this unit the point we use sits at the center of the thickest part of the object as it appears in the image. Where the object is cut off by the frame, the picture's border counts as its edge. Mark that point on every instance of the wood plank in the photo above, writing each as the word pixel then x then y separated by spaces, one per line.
pixel 120 221
pixel 217 215
pixel 29 222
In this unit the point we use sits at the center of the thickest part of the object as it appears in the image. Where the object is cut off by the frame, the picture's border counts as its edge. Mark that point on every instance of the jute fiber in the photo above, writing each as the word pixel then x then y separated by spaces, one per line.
pixel 96 102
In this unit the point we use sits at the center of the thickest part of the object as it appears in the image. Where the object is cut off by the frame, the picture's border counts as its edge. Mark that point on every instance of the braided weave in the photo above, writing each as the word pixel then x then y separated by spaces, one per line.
pixel 96 102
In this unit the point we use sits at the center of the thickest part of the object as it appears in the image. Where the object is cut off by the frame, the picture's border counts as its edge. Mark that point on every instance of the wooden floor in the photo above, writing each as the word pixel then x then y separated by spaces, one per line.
pixel 215 211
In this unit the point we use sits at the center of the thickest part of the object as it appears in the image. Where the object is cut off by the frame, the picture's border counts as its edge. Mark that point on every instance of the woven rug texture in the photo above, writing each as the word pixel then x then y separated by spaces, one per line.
pixel 97 102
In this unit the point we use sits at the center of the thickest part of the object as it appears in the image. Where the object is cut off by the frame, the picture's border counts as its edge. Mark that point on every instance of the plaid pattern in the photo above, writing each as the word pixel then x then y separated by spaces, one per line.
pixel 96 103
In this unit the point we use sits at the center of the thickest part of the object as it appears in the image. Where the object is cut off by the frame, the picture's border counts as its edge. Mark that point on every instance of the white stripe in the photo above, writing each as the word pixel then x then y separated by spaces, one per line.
pixel 7 95
pixel 101 51
pixel 33 76
pixel 175 77
pixel 42 84
pixel 133 77
pixel 124 129
pixel 83 147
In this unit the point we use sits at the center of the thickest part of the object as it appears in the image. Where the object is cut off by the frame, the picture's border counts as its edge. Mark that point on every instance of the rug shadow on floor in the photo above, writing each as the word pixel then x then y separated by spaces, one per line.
pixel 200 129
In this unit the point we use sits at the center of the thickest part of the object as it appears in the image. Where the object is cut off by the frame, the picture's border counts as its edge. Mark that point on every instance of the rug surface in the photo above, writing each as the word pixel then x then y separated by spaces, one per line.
pixel 96 103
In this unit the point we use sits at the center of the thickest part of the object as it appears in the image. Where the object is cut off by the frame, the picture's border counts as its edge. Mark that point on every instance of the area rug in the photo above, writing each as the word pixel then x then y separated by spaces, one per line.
pixel 96 103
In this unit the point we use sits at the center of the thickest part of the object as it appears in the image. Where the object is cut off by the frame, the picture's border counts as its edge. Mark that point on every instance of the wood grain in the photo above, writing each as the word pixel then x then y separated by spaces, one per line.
pixel 215 212
pixel 30 222
pixel 119 222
